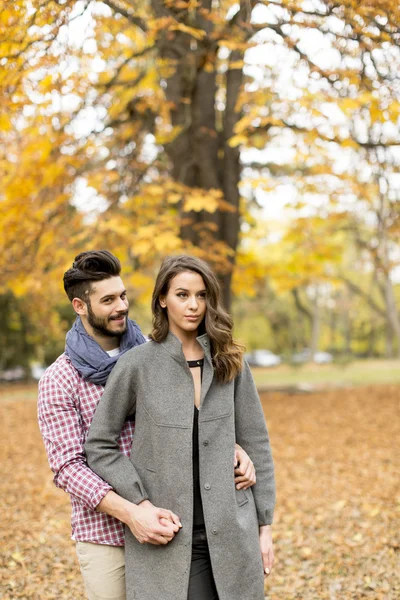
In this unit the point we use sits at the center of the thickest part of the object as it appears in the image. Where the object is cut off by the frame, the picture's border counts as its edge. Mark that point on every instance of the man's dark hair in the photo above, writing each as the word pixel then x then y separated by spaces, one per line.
pixel 94 265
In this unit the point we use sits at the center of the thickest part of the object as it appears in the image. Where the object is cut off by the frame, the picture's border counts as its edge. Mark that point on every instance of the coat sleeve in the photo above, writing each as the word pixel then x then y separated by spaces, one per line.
pixel 252 435
pixel 102 451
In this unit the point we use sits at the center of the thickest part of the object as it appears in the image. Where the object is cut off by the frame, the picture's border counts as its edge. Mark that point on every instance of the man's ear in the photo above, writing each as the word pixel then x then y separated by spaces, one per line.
pixel 79 306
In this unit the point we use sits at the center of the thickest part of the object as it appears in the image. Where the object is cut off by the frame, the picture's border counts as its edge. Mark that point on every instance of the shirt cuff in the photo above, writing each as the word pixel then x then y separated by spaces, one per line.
pixel 98 495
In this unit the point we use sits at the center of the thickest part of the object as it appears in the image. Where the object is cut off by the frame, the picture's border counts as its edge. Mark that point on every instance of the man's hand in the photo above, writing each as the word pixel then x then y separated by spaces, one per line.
pixel 267 550
pixel 152 525
pixel 245 473
pixel 149 524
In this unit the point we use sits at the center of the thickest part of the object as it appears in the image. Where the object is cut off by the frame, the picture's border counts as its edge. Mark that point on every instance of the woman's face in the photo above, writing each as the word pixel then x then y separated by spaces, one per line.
pixel 185 303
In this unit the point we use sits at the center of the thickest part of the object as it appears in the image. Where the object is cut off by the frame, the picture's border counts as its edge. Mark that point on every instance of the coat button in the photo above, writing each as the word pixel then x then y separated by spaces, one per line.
pixel 207 486
pixel 205 443
pixel 214 531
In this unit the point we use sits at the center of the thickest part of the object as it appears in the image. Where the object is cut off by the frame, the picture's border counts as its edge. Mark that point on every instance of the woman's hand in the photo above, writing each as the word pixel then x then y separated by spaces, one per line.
pixel 267 550
pixel 152 525
pixel 245 473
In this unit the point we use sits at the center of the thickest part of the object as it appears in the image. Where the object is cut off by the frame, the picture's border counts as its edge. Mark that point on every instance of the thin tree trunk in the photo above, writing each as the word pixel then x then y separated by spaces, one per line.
pixel 392 317
pixel 316 324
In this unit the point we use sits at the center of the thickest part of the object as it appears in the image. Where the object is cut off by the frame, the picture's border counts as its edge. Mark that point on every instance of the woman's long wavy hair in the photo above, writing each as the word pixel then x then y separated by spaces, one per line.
pixel 227 354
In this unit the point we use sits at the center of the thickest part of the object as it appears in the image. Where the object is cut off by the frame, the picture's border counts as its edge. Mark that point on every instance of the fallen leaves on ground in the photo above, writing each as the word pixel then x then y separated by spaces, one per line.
pixel 337 520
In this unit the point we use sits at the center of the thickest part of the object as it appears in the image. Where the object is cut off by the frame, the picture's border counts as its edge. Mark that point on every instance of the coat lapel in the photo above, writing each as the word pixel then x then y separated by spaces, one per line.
pixel 208 371
pixel 174 347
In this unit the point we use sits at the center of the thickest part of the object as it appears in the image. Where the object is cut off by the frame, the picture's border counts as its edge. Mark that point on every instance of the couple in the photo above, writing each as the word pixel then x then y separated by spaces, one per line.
pixel 191 533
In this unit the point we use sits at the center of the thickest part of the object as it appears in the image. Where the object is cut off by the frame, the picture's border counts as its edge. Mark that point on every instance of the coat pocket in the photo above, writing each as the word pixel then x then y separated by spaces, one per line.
pixel 241 497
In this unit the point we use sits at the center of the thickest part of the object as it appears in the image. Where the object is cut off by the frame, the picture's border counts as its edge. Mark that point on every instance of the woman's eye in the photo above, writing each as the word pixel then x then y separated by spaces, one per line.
pixel 181 295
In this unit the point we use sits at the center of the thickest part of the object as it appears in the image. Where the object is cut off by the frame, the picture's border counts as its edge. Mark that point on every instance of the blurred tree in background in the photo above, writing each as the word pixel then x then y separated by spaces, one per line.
pixel 155 126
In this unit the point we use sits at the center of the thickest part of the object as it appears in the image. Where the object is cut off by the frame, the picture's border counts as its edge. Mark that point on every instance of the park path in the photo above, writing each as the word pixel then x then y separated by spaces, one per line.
pixel 337 521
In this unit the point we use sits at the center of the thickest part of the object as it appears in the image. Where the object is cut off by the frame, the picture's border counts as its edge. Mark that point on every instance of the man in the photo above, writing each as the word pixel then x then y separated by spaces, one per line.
pixel 69 393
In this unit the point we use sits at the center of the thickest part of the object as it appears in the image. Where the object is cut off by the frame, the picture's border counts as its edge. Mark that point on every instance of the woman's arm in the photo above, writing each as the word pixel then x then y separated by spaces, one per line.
pixel 102 450
pixel 252 435
pixel 148 523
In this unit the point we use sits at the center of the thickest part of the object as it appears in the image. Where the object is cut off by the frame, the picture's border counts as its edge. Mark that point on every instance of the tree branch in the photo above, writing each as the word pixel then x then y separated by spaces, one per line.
pixel 360 292
pixel 127 14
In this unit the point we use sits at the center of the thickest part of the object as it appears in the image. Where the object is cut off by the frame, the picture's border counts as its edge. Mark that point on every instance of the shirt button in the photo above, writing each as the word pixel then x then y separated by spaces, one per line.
pixel 205 443
pixel 214 531
pixel 207 486
pixel 206 343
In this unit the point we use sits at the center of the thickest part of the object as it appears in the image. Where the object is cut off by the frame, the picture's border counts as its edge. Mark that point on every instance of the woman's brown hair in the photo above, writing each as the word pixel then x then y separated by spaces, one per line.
pixel 227 354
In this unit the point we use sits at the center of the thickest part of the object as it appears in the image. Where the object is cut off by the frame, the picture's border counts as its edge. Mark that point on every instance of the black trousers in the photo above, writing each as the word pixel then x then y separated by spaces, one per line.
pixel 201 581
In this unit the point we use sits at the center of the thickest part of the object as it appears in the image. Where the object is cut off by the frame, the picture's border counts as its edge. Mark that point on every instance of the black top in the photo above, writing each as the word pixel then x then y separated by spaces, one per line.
pixel 198 516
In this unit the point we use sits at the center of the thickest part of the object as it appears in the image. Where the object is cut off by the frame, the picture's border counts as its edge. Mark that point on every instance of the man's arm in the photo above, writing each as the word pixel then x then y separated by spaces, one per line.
pixel 63 435
pixel 61 427
pixel 148 523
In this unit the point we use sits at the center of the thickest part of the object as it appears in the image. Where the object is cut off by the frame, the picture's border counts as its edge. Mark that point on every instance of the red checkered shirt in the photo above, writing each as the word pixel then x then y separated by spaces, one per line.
pixel 66 406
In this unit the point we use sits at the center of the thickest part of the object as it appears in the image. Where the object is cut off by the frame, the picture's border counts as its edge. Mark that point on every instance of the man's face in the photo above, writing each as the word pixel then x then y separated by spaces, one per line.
pixel 107 308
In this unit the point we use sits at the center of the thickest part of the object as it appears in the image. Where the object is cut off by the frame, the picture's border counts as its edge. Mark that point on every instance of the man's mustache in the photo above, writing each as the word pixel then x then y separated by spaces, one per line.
pixel 124 314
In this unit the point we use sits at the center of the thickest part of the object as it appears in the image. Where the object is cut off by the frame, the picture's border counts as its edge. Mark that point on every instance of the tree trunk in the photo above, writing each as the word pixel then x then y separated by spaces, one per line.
pixel 333 330
pixel 393 320
pixel 315 325
pixel 200 155
pixel 383 266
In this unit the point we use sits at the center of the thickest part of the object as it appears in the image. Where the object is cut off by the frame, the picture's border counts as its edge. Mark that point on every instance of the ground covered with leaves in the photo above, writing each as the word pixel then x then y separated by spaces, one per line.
pixel 337 520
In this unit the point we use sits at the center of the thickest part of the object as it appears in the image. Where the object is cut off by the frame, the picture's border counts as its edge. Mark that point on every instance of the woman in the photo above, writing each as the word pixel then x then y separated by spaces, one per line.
pixel 192 398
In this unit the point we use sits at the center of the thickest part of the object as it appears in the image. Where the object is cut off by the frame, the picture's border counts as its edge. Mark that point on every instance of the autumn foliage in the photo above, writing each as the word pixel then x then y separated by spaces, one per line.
pixel 155 126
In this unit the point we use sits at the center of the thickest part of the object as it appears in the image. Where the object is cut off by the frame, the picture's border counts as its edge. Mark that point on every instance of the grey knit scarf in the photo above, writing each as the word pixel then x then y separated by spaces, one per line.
pixel 89 359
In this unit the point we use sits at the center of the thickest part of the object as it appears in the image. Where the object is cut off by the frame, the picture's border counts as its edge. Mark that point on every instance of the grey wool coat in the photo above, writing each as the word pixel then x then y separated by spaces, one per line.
pixel 154 383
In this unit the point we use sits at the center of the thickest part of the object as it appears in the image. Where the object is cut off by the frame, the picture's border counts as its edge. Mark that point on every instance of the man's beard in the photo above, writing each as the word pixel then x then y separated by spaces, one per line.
pixel 99 324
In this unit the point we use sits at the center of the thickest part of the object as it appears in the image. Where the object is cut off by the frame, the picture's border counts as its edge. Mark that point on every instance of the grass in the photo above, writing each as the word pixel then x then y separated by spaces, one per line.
pixel 18 391
pixel 360 372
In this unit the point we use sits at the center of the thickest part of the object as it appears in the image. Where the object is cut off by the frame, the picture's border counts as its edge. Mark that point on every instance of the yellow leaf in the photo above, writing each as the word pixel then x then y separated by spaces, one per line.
pixel 236 140
pixel 17 556
pixel 209 66
pixel 349 144
pixel 233 45
pixel 237 64
pixel 142 247
pixel 198 202
pixel 339 505
pixel 154 190
pixel 5 122
pixel 349 105
pixel 173 198
pixel 199 34
pixel 46 83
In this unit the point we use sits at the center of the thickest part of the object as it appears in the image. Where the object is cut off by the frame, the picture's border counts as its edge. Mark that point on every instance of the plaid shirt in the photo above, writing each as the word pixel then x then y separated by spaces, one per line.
pixel 66 406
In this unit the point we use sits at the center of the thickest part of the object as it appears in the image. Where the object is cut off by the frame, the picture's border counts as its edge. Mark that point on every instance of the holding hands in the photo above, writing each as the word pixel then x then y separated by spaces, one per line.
pixel 152 525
